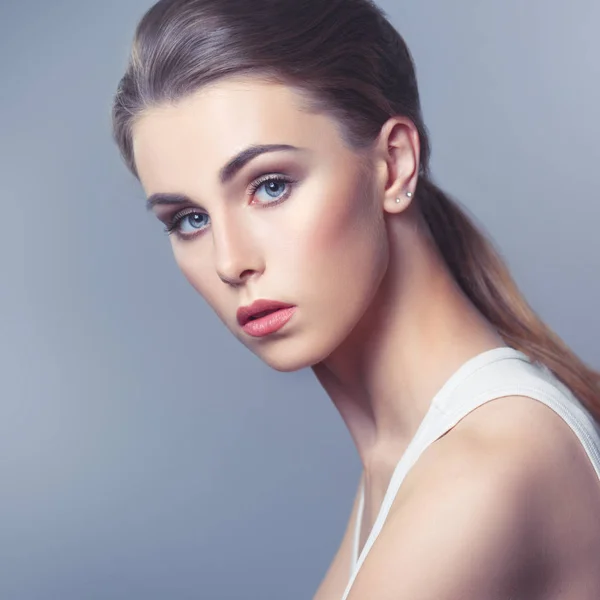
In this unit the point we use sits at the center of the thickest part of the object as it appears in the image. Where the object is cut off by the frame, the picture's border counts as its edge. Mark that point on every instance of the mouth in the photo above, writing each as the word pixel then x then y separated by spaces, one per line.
pixel 259 309
pixel 263 317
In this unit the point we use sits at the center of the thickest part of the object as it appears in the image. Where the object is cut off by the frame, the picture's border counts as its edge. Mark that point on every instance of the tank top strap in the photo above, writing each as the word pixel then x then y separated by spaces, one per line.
pixel 357 522
pixel 521 377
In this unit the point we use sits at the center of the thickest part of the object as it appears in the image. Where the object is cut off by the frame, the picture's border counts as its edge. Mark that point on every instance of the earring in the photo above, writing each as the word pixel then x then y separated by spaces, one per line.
pixel 408 195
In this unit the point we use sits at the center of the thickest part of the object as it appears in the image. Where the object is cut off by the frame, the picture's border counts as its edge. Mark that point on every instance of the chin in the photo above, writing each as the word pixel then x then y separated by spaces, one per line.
pixel 289 357
pixel 286 363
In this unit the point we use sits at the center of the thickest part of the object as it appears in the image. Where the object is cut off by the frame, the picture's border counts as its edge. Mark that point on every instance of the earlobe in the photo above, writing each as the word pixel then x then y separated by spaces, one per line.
pixel 399 203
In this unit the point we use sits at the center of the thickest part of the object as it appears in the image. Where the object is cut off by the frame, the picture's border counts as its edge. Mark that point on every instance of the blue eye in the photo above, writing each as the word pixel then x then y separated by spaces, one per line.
pixel 274 188
pixel 195 220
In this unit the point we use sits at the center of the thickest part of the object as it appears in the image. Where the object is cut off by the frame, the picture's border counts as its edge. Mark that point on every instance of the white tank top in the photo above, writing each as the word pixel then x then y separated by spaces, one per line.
pixel 487 376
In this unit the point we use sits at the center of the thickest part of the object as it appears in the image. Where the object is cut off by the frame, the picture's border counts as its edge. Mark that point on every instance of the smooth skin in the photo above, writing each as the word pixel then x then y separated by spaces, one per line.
pixel 503 506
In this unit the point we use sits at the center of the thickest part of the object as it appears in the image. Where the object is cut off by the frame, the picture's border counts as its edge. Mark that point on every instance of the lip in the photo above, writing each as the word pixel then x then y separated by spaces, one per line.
pixel 270 323
pixel 244 313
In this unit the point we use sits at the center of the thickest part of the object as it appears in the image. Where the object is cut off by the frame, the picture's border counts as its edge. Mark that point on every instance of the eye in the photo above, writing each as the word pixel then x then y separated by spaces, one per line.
pixel 187 223
pixel 271 189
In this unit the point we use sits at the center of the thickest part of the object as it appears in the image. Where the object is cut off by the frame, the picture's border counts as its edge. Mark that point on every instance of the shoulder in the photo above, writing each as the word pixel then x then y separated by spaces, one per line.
pixel 473 517
pixel 534 443
pixel 515 443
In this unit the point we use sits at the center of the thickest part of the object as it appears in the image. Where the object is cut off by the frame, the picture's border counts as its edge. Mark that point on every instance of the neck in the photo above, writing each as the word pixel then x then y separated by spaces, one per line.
pixel 419 329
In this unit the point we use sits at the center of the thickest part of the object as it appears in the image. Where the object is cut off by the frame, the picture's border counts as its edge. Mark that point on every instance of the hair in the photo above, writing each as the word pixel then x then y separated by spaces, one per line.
pixel 349 62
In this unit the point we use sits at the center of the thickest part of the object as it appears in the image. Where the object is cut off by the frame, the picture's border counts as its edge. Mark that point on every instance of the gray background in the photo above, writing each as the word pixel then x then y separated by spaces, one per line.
pixel 144 453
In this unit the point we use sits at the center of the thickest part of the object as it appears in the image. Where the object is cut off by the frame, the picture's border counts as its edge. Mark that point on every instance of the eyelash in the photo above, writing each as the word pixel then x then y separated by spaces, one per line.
pixel 171 227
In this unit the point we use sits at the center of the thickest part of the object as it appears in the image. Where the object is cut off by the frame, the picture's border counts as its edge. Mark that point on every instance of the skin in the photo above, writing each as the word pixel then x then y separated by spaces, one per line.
pixel 379 319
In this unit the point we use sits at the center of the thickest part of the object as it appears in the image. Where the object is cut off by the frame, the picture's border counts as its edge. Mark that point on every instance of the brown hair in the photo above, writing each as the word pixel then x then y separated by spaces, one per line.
pixel 349 62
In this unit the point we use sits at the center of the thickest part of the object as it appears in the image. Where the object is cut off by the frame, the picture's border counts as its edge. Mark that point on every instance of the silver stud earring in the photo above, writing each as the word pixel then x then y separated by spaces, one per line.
pixel 398 200
pixel 409 194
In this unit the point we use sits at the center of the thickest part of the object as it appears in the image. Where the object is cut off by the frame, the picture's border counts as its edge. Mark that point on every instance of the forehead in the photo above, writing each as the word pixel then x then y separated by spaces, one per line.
pixel 206 129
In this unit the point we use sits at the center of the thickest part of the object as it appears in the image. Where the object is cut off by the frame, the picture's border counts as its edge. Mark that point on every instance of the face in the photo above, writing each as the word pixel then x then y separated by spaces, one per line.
pixel 301 224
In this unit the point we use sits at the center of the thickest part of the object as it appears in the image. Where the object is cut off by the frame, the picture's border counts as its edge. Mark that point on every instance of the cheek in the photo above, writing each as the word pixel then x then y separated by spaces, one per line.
pixel 349 241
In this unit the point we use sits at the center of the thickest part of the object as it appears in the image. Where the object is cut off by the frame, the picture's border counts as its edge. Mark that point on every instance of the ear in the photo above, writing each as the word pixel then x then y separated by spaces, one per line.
pixel 397 153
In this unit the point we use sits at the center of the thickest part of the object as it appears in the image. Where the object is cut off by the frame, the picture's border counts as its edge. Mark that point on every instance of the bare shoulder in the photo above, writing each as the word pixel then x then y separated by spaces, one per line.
pixel 536 445
pixel 490 511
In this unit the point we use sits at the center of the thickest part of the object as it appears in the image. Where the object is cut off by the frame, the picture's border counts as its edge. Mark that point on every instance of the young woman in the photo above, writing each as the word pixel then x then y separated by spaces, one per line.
pixel 282 145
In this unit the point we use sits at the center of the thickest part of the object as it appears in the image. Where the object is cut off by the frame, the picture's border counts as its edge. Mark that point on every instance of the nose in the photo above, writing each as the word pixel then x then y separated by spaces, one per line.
pixel 235 252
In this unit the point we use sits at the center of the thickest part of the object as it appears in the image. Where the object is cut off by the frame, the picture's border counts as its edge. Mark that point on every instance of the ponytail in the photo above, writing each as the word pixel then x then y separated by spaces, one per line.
pixel 484 278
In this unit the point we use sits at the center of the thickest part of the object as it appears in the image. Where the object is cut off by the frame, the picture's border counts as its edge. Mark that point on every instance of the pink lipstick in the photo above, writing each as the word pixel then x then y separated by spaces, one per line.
pixel 264 317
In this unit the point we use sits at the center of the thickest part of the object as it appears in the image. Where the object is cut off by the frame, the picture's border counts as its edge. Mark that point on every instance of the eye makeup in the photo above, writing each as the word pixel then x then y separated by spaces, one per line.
pixel 173 223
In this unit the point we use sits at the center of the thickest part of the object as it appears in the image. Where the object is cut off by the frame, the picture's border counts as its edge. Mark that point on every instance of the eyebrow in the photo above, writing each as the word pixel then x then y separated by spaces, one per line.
pixel 226 173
